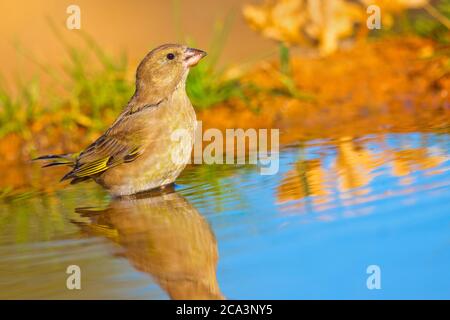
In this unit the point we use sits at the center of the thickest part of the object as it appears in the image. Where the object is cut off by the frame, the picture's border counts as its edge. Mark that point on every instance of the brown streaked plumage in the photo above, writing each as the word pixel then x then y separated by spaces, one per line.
pixel 138 152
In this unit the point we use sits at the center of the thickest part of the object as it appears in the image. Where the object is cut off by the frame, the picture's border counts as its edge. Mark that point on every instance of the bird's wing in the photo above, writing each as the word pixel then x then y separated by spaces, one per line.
pixel 121 143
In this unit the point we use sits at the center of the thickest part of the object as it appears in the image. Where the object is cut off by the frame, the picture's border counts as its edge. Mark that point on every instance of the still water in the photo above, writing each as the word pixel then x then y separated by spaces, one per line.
pixel 335 208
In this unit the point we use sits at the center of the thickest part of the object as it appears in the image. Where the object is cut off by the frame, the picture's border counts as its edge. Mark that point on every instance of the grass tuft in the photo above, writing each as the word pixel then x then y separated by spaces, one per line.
pixel 91 87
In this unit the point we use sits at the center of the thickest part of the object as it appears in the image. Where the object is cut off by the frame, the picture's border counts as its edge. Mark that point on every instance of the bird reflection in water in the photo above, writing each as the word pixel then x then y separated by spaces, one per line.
pixel 163 235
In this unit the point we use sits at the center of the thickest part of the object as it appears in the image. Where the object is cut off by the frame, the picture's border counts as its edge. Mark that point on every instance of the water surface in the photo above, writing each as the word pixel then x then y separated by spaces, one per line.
pixel 310 231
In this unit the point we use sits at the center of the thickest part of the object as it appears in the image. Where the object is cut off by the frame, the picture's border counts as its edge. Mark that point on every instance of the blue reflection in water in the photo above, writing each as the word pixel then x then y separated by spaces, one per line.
pixel 372 201
pixel 310 231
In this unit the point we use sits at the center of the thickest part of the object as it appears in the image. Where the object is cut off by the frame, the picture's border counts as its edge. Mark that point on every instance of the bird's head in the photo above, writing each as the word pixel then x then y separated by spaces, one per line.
pixel 165 68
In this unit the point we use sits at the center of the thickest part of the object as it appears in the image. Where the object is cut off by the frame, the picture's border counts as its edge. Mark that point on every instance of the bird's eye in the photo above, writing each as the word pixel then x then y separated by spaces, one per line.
pixel 170 56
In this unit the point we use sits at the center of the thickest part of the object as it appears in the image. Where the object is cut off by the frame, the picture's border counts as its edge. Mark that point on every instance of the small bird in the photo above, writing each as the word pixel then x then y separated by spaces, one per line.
pixel 138 151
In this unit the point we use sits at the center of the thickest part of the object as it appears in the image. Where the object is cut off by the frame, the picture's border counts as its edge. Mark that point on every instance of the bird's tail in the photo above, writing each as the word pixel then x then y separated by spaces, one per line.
pixel 68 159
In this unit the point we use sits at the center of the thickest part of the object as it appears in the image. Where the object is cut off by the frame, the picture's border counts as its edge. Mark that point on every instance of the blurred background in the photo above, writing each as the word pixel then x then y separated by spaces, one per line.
pixel 362 104
pixel 135 28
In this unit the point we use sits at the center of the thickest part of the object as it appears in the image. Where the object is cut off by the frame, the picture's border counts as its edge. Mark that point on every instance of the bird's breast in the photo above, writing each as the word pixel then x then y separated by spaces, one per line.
pixel 169 137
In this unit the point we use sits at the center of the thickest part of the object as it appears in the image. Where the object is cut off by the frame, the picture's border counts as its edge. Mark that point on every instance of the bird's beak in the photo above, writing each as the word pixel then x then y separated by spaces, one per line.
pixel 192 56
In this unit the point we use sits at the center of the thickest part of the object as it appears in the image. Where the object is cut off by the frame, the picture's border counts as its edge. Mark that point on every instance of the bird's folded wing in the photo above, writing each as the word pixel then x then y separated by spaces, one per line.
pixel 111 149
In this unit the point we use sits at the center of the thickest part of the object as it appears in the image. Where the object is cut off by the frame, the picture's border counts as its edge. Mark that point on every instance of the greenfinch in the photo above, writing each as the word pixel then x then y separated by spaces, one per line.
pixel 138 151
